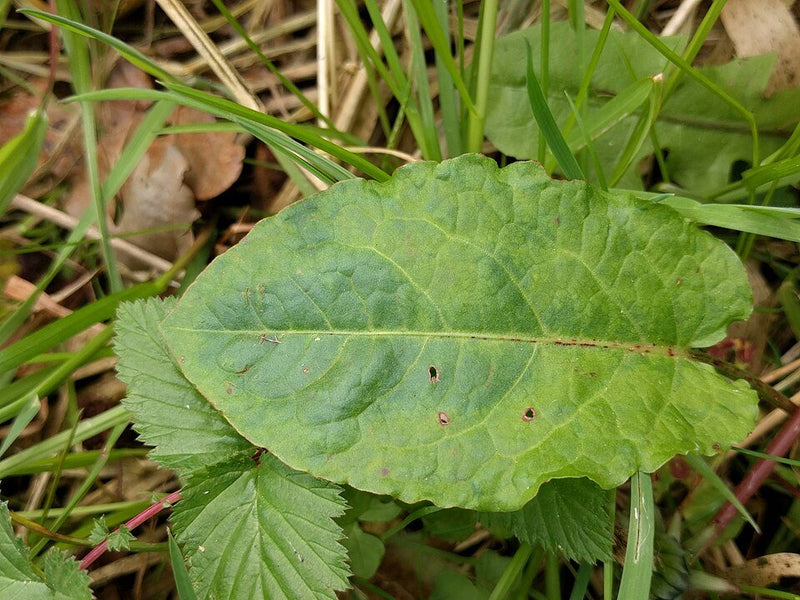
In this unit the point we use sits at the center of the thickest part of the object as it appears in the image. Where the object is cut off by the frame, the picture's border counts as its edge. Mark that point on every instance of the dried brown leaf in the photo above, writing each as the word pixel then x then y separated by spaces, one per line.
pixel 214 158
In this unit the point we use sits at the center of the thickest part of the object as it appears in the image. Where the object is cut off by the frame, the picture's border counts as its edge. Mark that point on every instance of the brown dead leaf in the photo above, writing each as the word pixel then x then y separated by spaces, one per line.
pixel 155 198
pixel 765 26
pixel 214 158
pixel 782 568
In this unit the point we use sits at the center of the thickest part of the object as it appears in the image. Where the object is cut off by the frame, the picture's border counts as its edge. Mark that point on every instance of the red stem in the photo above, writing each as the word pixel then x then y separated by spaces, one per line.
pixel 143 516
pixel 762 469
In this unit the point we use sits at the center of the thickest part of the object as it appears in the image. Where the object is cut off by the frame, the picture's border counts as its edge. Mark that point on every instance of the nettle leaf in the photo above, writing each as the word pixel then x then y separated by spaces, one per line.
pixel 571 517
pixel 19 579
pixel 261 531
pixel 690 122
pixel 465 333
pixel 168 411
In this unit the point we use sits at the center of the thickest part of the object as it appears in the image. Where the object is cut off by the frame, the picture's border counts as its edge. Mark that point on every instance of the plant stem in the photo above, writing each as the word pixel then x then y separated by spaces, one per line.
pixel 512 571
pixel 488 21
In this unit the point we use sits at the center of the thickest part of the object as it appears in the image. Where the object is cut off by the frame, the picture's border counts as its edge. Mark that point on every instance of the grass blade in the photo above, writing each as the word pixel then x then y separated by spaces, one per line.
pixel 183 584
pixel 707 473
pixel 638 570
pixel 19 157
pixel 547 125
pixel 29 410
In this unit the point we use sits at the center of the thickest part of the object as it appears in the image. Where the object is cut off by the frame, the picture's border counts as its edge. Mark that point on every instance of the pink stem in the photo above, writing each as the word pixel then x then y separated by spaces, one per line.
pixel 143 516
pixel 762 469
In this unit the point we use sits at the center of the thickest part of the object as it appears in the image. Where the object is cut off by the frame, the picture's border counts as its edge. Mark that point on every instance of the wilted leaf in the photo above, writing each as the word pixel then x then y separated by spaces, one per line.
pixel 158 204
pixel 464 334
pixel 214 158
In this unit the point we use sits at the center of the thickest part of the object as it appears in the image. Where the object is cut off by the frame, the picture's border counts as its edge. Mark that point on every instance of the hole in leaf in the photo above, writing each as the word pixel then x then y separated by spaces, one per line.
pixel 433 373
pixel 444 420
pixel 529 414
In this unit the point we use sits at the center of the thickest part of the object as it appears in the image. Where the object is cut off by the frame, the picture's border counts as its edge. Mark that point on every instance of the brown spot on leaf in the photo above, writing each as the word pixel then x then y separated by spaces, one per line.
pixel 433 374
pixel 229 391
pixel 243 370
pixel 529 414
pixel 444 420
pixel 384 472
pixel 306 370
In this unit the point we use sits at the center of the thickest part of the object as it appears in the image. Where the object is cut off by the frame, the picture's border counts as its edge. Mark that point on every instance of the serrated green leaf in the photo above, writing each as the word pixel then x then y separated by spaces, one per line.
pixel 702 135
pixel 62 574
pixel 168 411
pixel 261 531
pixel 569 516
pixel 465 333
pixel 364 550
pixel 20 581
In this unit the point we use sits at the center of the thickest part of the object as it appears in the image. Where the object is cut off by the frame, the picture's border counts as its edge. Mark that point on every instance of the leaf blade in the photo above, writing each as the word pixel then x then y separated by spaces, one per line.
pixel 407 335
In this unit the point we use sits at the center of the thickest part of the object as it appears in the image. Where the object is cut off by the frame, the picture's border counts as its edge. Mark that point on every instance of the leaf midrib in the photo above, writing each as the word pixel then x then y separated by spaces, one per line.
pixel 557 341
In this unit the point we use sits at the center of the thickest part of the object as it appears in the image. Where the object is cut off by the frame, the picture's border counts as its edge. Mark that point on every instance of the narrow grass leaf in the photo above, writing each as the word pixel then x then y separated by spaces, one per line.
pixel 149 128
pixel 29 410
pixel 448 102
pixel 547 124
pixel 703 468
pixel 581 581
pixel 419 81
pixel 19 157
pixel 285 81
pixel 612 113
pixel 129 53
pixel 772 221
pixel 638 570
pixel 641 132
pixel 80 68
pixel 784 171
pixel 89 427
pixel 61 330
pixel 441 44
pixel 183 584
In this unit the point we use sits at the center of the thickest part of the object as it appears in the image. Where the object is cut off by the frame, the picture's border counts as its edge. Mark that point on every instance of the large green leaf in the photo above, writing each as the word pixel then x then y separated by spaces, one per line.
pixel 261 531
pixel 701 134
pixel 464 333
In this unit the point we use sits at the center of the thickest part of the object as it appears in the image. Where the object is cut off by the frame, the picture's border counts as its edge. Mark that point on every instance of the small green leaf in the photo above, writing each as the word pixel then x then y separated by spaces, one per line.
pixel 99 531
pixel 261 531
pixel 120 539
pixel 168 412
pixel 569 516
pixel 21 581
pixel 62 575
pixel 465 333
pixel 364 550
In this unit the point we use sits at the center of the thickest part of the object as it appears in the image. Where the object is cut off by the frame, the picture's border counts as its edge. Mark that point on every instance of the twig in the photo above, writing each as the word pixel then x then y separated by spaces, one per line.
pixel 66 221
